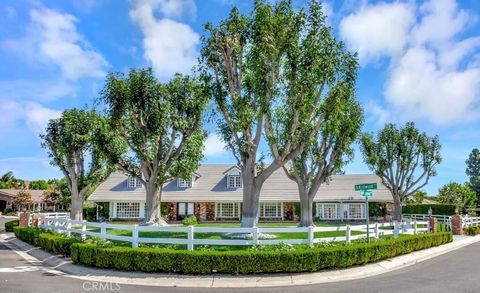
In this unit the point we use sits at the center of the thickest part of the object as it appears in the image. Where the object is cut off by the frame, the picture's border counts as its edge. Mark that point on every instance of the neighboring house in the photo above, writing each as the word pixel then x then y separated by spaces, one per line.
pixel 215 193
pixel 7 196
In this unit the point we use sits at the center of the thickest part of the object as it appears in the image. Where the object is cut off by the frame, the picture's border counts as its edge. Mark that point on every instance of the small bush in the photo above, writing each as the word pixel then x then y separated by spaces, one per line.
pixel 190 221
pixel 27 234
pixel 9 225
pixel 437 209
pixel 472 230
pixel 7 211
pixel 250 261
pixel 58 244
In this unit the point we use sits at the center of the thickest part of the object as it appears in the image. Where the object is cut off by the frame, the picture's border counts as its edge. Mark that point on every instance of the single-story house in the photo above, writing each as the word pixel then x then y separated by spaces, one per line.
pixel 215 193
pixel 7 196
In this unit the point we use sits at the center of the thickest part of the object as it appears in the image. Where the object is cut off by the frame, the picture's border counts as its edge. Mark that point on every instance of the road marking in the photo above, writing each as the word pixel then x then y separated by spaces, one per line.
pixel 20 269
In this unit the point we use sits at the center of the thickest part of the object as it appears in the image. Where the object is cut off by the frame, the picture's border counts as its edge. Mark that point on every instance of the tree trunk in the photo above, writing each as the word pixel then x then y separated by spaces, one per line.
pixel 251 196
pixel 152 205
pixel 397 214
pixel 76 212
pixel 306 209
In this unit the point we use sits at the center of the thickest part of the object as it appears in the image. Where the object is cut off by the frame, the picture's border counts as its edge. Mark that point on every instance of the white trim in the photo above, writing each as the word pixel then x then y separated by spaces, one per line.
pixel 237 181
pixel 220 213
pixel 133 182
pixel 184 183
pixel 342 210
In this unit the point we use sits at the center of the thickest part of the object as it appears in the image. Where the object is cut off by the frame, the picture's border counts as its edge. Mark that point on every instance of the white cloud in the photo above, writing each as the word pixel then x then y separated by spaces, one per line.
pixel 431 75
pixel 378 115
pixel 214 146
pixel 378 30
pixel 53 39
pixel 169 45
pixel 34 115
pixel 40 90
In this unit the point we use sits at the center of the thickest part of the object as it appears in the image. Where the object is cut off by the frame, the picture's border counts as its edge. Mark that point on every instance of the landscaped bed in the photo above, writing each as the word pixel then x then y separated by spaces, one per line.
pixel 257 259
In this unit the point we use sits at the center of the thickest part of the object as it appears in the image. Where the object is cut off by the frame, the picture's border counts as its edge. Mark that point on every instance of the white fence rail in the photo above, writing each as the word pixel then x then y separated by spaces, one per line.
pixel 64 215
pixel 468 221
pixel 101 230
pixel 447 220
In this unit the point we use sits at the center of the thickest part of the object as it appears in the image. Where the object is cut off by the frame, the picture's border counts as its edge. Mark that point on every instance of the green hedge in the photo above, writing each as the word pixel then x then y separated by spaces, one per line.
pixel 472 230
pixel 27 234
pixel 437 209
pixel 57 244
pixel 9 225
pixel 245 262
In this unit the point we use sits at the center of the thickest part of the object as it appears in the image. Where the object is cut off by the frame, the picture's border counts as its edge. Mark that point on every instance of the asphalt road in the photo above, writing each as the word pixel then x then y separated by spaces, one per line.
pixel 456 271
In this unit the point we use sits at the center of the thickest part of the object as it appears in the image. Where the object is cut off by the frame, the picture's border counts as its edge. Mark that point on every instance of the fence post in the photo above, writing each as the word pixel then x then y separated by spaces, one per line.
pixel 103 230
pixel 84 230
pixel 55 225
pixel 415 227
pixel 45 224
pixel 428 227
pixel 69 227
pixel 395 229
pixel 376 231
pixel 190 238
pixel 255 232
pixel 310 235
pixel 134 236
pixel 407 225
pixel 348 234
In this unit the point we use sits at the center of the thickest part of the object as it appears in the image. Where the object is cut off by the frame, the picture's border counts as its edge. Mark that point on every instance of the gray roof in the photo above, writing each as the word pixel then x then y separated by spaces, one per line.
pixel 211 186
pixel 36 194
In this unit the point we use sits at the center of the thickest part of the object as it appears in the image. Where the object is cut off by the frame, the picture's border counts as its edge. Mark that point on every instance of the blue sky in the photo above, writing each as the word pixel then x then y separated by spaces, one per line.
pixel 420 61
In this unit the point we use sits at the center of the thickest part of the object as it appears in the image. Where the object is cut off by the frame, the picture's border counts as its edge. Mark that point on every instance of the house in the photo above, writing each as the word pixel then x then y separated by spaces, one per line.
pixel 7 196
pixel 215 193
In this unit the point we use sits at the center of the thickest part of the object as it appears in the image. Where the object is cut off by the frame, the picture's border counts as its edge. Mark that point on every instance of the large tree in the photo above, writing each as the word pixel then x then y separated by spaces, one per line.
pixel 404 158
pixel 155 131
pixel 69 143
pixel 39 185
pixel 462 196
pixel 8 181
pixel 473 172
pixel 329 150
pixel 269 70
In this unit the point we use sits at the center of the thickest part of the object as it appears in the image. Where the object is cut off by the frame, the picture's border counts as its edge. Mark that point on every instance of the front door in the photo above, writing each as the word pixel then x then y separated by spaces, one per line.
pixel 3 205
pixel 184 209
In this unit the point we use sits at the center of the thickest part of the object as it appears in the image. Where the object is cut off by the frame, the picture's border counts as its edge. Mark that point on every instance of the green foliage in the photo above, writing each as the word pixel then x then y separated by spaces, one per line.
pixel 473 171
pixel 39 185
pixel 251 261
pixel 190 221
pixel 90 213
pixel 155 125
pixel 282 246
pixel 437 209
pixel 69 142
pixel 27 234
pixel 58 244
pixel 376 209
pixel 462 196
pixel 10 224
pixel 8 211
pixel 9 181
pixel 23 198
pixel 403 157
pixel 472 230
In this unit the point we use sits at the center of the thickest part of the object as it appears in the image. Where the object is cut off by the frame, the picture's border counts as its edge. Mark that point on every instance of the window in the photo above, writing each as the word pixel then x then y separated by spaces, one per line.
pixel 355 211
pixel 133 182
pixel 184 182
pixel 327 211
pixel 270 210
pixel 185 209
pixel 227 210
pixel 234 181
pixel 128 210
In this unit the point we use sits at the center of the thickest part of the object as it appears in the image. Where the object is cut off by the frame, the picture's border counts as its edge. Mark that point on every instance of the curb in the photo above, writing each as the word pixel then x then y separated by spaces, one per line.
pixel 63 266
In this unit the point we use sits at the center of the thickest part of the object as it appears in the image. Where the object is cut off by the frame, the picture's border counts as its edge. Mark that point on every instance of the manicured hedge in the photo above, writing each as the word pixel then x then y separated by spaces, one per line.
pixel 27 234
pixel 472 230
pixel 245 262
pixel 437 209
pixel 9 225
pixel 57 244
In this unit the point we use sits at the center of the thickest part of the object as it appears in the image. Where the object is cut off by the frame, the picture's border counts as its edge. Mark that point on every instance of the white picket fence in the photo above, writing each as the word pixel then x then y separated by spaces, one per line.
pixel 64 215
pixel 468 221
pixel 85 229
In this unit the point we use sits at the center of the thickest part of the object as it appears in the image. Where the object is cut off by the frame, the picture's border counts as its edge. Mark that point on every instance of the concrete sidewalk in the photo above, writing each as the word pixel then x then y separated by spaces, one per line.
pixel 63 266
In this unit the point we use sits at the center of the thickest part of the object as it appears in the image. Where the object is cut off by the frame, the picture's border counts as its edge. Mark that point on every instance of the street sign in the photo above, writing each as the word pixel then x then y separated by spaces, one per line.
pixel 365 186
pixel 367 193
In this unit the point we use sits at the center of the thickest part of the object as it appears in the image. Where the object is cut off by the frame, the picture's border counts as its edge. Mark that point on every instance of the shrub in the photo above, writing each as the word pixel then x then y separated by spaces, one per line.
pixel 250 261
pixel 437 209
pixel 27 234
pixel 190 221
pixel 7 211
pixel 58 244
pixel 472 230
pixel 9 225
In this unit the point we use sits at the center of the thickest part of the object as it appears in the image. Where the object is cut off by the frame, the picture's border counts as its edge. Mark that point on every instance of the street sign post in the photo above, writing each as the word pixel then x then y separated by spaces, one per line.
pixel 366 191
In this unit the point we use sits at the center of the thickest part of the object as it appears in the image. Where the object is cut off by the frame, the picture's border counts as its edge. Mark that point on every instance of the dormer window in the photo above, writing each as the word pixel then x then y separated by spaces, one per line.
pixel 234 181
pixel 134 182
pixel 184 182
